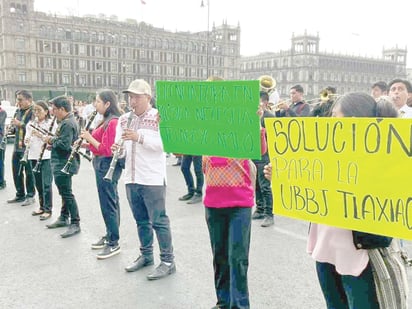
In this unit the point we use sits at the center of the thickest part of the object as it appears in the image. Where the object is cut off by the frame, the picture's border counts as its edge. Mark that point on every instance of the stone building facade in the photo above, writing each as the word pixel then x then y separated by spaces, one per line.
pixel 305 64
pixel 51 54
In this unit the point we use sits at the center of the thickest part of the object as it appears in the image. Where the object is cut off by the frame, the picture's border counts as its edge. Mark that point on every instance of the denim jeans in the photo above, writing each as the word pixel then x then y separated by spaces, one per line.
pixel 187 174
pixel 149 211
pixel 229 231
pixel 43 182
pixel 69 205
pixel 26 177
pixel 264 198
pixel 108 197
pixel 2 153
pixel 347 292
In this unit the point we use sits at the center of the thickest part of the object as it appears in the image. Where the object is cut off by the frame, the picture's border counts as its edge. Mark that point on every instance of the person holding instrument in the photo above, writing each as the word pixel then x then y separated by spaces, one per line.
pixel 145 179
pixel 24 182
pixel 61 148
pixel 39 158
pixel 99 143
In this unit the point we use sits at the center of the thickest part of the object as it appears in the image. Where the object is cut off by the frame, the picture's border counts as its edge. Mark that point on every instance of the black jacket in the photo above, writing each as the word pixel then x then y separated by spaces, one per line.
pixel 66 135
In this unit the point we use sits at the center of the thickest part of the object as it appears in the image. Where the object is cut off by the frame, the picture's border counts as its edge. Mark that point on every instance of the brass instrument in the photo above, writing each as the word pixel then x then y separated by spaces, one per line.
pixel 116 154
pixel 325 96
pixel 276 108
pixel 76 146
pixel 36 168
pixel 267 83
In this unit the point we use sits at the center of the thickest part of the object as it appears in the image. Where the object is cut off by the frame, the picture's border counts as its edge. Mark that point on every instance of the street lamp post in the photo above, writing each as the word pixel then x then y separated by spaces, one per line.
pixel 202 5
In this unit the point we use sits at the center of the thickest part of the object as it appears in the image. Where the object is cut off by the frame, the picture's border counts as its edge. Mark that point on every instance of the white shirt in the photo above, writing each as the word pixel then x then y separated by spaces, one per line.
pixel 35 143
pixel 405 111
pixel 145 159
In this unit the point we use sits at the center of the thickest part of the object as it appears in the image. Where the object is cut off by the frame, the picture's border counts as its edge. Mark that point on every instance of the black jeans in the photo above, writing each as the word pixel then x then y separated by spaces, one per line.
pixel 187 174
pixel 108 197
pixel 229 231
pixel 264 197
pixel 43 182
pixel 69 205
pixel 26 176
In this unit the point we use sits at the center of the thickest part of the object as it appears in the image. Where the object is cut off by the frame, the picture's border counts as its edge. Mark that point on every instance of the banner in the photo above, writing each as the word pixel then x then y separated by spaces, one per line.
pixel 216 118
pixel 353 173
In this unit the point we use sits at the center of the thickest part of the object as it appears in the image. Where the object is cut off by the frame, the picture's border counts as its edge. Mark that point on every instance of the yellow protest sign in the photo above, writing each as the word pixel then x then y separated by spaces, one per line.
pixel 353 173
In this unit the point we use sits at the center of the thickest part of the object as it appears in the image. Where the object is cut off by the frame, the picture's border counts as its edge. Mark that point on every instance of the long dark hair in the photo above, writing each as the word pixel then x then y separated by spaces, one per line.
pixel 107 95
pixel 358 104
pixel 44 106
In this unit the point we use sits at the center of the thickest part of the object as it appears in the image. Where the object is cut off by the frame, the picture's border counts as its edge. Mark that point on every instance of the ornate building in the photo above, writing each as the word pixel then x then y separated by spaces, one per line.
pixel 51 54
pixel 304 64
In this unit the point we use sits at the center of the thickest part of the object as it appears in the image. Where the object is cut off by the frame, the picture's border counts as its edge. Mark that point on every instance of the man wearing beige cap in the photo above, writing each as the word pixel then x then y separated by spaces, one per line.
pixel 145 179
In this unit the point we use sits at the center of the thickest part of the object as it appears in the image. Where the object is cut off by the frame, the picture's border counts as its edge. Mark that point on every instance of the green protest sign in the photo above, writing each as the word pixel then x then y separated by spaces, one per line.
pixel 210 118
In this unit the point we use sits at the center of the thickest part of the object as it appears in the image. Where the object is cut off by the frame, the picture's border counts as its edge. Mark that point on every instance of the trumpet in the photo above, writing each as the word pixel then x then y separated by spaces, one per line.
pixel 275 107
pixel 76 147
pixel 116 154
pixel 36 168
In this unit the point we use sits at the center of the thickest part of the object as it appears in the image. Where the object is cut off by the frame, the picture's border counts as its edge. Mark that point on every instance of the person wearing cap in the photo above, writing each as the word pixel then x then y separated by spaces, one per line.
pixel 145 179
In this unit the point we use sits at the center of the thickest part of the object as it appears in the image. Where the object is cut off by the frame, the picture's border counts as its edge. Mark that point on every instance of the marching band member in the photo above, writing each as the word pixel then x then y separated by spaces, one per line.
pixel 61 148
pixel 99 143
pixel 40 159
pixel 24 182
pixel 145 178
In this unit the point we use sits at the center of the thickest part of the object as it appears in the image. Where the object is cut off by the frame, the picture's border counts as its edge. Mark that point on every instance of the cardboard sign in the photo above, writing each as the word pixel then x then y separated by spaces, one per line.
pixel 353 173
pixel 210 118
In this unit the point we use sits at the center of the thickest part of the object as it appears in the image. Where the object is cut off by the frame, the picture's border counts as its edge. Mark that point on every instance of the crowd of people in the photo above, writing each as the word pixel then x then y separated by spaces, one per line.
pixel 124 140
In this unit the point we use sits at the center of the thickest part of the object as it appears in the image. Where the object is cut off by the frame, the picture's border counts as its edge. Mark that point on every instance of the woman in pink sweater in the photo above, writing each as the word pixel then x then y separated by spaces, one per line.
pixel 229 198
pixel 344 271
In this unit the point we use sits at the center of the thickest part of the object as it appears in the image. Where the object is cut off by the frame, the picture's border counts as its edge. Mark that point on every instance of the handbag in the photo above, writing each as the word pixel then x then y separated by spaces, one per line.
pixel 390 277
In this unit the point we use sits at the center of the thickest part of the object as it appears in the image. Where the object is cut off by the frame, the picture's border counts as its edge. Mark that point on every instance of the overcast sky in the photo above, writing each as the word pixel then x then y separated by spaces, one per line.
pixel 354 27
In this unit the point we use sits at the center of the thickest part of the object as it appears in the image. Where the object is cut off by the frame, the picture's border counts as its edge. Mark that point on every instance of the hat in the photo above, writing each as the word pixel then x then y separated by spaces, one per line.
pixel 139 86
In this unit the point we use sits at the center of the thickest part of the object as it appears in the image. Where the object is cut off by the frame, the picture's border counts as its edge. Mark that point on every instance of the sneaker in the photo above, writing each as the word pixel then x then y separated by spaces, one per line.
pixel 16 200
pixel 28 201
pixel 60 222
pixel 100 244
pixel 196 198
pixel 268 221
pixel 71 231
pixel 139 263
pixel 108 251
pixel 257 215
pixel 186 197
pixel 161 271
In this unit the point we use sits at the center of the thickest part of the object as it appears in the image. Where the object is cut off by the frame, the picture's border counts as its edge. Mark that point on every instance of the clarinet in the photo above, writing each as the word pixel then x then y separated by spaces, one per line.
pixel 116 154
pixel 36 168
pixel 24 159
pixel 77 145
